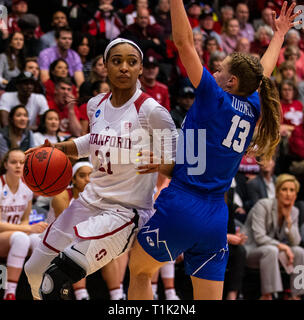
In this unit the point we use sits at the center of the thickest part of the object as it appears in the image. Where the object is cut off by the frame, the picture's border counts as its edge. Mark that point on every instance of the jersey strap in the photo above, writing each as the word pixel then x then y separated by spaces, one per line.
pixel 104 98
pixel 3 181
pixel 140 100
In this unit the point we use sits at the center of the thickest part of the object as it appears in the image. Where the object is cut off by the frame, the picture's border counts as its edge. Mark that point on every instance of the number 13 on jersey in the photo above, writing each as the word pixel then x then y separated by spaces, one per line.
pixel 238 144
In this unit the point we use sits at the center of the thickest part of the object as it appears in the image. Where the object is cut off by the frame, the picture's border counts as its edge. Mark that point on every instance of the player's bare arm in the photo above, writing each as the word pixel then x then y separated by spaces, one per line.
pixel 280 26
pixel 67 147
pixel 183 40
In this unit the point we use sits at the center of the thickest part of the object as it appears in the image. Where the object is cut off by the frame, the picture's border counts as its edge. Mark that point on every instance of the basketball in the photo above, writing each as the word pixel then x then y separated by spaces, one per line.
pixel 47 171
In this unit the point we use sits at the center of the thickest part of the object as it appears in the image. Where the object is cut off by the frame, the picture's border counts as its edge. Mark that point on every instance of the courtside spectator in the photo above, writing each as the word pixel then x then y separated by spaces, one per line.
pixel 65 104
pixel 185 99
pixel 16 134
pixel 12 60
pixel 35 103
pixel 64 38
pixel 242 15
pixel 48 39
pixel 151 86
pixel 230 36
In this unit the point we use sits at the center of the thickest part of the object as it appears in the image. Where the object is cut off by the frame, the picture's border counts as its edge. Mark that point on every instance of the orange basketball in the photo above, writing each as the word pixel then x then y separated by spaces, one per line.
pixel 47 171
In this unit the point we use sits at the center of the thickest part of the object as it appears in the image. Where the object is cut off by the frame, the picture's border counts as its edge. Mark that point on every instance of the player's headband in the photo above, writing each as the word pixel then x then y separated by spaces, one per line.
pixel 119 41
pixel 79 165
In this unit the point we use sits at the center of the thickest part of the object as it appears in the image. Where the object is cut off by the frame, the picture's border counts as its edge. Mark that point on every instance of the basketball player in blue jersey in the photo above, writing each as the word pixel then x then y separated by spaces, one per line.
pixel 191 215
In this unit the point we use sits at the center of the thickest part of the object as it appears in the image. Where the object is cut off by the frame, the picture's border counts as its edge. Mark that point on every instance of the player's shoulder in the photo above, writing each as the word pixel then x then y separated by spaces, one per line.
pixel 94 102
pixel 25 190
pixel 145 103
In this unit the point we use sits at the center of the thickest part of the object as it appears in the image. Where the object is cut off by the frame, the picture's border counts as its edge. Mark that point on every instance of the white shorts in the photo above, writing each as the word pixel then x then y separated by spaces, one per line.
pixel 101 234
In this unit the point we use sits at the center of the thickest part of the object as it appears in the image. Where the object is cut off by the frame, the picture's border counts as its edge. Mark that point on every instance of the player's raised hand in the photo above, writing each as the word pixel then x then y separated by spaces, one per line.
pixel 47 143
pixel 285 21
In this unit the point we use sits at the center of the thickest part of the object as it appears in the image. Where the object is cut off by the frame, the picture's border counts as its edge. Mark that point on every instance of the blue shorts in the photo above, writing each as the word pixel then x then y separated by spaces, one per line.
pixel 192 224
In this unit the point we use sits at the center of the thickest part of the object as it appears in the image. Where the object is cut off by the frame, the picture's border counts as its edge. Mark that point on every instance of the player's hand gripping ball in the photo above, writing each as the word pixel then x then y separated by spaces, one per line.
pixel 47 171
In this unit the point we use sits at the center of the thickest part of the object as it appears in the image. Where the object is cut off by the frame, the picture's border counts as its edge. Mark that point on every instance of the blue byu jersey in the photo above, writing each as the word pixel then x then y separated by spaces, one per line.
pixel 216 133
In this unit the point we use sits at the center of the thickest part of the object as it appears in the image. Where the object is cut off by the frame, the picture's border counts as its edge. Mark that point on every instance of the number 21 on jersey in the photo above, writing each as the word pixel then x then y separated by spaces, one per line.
pixel 238 144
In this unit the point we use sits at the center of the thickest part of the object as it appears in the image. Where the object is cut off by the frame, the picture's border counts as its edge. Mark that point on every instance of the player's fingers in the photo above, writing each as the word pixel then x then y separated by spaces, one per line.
pixel 290 9
pixel 28 151
pixel 283 10
pixel 294 16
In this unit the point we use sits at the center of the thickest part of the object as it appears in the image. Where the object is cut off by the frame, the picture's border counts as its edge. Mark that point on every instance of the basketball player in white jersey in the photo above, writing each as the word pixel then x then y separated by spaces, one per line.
pixel 17 237
pixel 116 201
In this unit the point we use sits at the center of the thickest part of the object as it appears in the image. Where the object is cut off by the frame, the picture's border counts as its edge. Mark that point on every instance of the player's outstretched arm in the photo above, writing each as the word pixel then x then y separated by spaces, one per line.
pixel 280 27
pixel 183 40
pixel 67 147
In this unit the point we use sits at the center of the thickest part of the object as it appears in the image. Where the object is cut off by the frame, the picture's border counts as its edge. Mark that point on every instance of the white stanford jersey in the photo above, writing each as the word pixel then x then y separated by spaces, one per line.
pixel 116 136
pixel 13 205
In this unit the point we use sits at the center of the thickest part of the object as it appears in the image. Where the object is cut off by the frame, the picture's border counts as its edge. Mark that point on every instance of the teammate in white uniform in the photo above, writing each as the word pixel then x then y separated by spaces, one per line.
pixel 16 235
pixel 116 200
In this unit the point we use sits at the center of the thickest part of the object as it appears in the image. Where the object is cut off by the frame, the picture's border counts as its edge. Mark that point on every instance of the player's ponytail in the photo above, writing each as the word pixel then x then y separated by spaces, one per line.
pixel 267 135
pixel 249 71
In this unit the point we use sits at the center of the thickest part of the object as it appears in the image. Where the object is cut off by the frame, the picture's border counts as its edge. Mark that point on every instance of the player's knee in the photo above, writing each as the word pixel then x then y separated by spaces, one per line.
pixel 20 239
pixel 62 272
pixel 139 268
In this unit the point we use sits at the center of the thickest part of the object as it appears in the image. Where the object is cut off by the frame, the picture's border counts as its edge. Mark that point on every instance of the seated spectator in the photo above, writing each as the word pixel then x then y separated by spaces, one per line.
pixel 97 87
pixel 185 99
pixel 59 20
pixel 49 128
pixel 286 71
pixel 215 60
pixel 150 37
pixel 243 45
pixel 131 17
pixel 262 38
pixel 230 36
pixel 266 19
pixel 28 23
pixel 273 238
pixel 210 45
pixel 194 10
pixel 32 66
pixel 12 60
pixel 294 55
pixel 301 91
pixel 61 50
pixel 16 134
pixel 105 25
pixel 206 24
pixel 151 86
pixel 59 69
pixel 84 45
pixel 18 10
pixel 263 185
pixel 64 103
pixel 292 38
pixel 35 103
pixel 226 13
pixel 162 17
pixel 17 237
pixel 237 253
pixel 98 73
pixel 292 109
pixel 242 15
